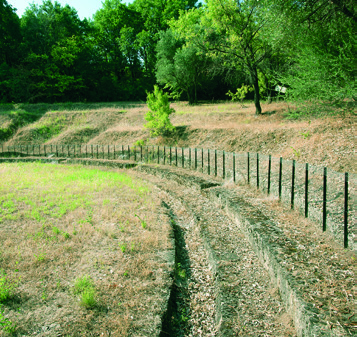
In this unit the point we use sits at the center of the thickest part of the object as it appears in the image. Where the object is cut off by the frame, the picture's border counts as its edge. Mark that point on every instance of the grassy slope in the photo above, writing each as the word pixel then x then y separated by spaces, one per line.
pixel 328 141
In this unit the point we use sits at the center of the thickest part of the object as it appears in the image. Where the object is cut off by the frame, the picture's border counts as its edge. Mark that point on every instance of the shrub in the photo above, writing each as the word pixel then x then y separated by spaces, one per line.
pixel 84 286
pixel 158 121
pixel 6 287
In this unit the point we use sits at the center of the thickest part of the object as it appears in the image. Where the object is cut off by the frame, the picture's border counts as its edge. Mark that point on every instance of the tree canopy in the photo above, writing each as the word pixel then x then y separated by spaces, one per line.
pixel 194 50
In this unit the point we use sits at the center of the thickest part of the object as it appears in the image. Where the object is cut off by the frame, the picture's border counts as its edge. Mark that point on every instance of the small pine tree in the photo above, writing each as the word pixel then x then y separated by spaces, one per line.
pixel 158 121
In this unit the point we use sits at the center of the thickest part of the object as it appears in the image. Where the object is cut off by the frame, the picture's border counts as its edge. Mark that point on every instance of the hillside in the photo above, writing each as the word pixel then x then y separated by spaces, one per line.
pixel 328 141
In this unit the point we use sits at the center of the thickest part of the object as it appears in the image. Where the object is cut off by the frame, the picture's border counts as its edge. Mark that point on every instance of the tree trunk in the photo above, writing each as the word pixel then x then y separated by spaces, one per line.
pixel 258 108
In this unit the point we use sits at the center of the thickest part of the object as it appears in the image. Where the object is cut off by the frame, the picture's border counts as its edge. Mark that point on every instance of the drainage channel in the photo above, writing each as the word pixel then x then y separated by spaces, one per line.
pixel 176 319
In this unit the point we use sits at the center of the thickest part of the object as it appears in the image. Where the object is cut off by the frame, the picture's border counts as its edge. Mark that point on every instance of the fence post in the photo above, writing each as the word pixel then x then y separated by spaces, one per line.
pixel 164 155
pixel 189 158
pixel 224 165
pixel 280 175
pixel 324 213
pixel 134 152
pixel 257 170
pixel 306 190
pixel 209 162
pixel 176 155
pixel 183 157
pixel 269 173
pixel 122 151
pixel 113 152
pixel 345 232
pixel 234 167
pixel 215 163
pixel 248 168
pixel 158 154
pixel 170 155
pixel 141 153
pixel 44 148
pixel 129 151
pixel 97 151
pixel 293 185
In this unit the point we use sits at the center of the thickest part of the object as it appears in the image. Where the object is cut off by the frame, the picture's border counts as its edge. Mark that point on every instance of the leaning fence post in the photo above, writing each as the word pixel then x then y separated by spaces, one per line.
pixel 293 185
pixel 306 190
pixel 324 196
pixel 280 175
pixel 345 232
pixel 257 170
pixel 269 173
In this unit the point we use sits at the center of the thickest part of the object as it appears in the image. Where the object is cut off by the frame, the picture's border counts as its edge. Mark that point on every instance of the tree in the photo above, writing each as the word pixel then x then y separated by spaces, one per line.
pixel 10 34
pixel 158 117
pixel 319 40
pixel 179 67
pixel 230 30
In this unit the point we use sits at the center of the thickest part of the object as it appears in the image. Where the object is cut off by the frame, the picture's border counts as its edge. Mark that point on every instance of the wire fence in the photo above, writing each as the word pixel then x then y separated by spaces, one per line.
pixel 323 195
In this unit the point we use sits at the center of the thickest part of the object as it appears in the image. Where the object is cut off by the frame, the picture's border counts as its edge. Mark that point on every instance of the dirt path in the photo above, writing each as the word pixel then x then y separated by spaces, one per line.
pixel 226 291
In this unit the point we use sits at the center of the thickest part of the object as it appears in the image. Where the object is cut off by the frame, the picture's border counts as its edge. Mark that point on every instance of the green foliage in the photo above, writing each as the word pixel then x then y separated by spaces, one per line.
pixel 158 117
pixel 5 324
pixel 240 94
pixel 7 287
pixel 84 286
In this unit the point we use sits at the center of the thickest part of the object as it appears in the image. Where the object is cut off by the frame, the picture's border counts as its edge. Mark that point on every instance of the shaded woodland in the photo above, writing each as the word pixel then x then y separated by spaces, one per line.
pixel 196 51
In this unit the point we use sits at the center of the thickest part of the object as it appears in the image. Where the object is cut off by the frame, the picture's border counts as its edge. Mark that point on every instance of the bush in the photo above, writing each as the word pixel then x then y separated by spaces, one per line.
pixel 7 287
pixel 84 286
pixel 158 121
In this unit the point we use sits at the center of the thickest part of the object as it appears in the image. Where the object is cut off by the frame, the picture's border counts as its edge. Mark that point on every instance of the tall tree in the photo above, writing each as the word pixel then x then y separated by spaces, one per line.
pixel 10 34
pixel 179 67
pixel 230 30
pixel 319 38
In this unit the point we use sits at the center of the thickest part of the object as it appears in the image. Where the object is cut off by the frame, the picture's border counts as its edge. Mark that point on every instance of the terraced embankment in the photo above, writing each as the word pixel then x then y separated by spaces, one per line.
pixel 245 265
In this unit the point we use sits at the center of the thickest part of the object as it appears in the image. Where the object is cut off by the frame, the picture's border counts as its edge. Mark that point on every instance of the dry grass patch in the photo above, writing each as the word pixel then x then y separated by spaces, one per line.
pixel 62 233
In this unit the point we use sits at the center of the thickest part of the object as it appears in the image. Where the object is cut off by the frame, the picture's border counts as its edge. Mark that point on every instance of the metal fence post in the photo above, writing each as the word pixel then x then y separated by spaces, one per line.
pixel 269 173
pixel 183 157
pixel 293 185
pixel 215 163
pixel 257 170
pixel 158 154
pixel 234 167
pixel 280 175
pixel 345 231
pixel 176 155
pixel 248 163
pixel 224 165
pixel 324 212
pixel 306 190
pixel 195 158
